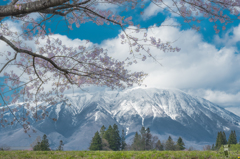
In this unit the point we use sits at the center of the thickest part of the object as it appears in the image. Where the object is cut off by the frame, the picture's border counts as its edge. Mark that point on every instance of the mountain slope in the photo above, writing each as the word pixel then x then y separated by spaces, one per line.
pixel 164 111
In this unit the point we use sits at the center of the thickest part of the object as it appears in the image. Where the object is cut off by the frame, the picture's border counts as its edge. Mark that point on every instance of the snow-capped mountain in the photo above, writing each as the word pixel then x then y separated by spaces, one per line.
pixel 164 111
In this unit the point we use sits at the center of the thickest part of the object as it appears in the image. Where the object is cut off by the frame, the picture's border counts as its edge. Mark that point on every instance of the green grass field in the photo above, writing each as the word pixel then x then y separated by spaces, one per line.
pixel 114 155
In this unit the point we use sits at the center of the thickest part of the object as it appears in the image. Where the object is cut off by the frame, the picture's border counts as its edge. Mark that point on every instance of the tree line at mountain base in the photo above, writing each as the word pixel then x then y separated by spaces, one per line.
pixel 222 140
pixel 43 145
pixel 110 140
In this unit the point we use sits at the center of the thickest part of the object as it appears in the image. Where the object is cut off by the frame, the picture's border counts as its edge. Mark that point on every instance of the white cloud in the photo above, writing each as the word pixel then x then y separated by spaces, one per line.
pixel 165 7
pixel 230 38
pixel 199 65
pixel 107 6
pixel 228 100
pixel 199 68
pixel 151 10
pixel 222 98
pixel 154 8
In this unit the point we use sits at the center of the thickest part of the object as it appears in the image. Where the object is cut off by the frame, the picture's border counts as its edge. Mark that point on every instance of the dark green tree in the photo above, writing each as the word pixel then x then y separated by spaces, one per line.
pixel 106 134
pixel 136 142
pixel 213 147
pixel 96 143
pixel 180 144
pixel 102 131
pixel 142 145
pixel 123 143
pixel 216 144
pixel 60 147
pixel 235 137
pixel 116 138
pixel 148 140
pixel 42 145
pixel 159 146
pixel 220 140
pixel 109 136
pixel 144 140
pixel 232 138
pixel 224 138
pixel 170 145
pixel 45 144
pixel 37 147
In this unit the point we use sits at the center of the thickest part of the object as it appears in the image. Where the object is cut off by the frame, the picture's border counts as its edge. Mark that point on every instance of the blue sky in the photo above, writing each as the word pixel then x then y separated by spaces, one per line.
pixel 207 65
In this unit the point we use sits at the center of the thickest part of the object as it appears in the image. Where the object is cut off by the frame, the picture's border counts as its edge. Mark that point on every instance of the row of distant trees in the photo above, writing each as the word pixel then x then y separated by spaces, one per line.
pixel 110 139
pixel 5 147
pixel 43 145
pixel 144 140
pixel 222 140
pixel 38 145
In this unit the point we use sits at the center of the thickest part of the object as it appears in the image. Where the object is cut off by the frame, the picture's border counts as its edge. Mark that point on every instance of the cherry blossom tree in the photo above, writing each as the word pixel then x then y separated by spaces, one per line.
pixel 63 66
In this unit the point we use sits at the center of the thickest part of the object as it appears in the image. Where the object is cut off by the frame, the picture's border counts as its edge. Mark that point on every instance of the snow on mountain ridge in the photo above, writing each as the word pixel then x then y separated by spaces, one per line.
pixel 170 102
pixel 164 111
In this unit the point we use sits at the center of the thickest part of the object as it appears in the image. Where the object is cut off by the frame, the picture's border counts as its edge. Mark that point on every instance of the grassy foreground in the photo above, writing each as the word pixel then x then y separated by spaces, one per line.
pixel 114 155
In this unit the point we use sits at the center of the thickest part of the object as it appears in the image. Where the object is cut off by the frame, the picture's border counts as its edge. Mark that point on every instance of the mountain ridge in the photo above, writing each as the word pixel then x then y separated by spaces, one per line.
pixel 164 111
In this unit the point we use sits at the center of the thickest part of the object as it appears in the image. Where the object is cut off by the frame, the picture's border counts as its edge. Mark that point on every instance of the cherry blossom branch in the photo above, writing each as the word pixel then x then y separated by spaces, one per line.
pixel 20 86
pixel 9 108
pixel 15 56
pixel 32 54
pixel 34 67
pixel 30 7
